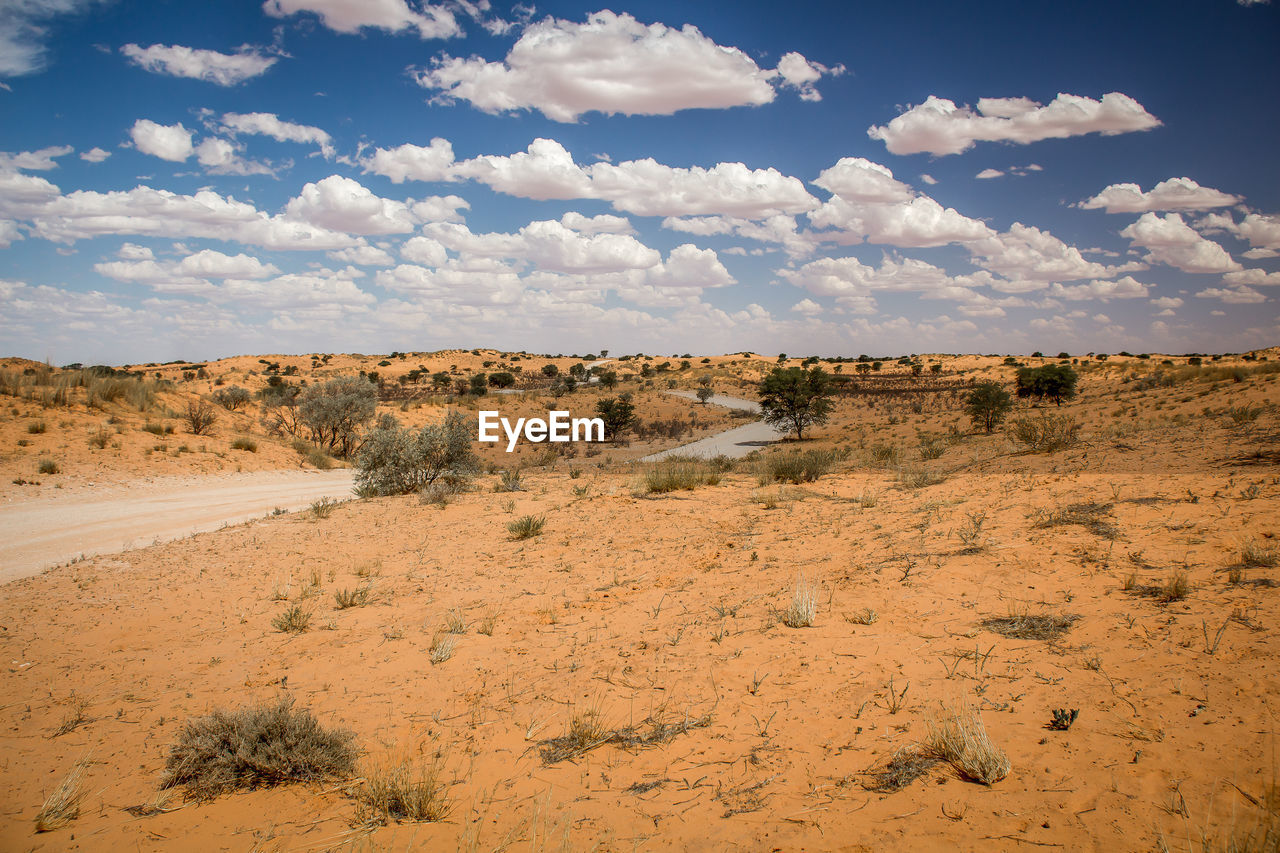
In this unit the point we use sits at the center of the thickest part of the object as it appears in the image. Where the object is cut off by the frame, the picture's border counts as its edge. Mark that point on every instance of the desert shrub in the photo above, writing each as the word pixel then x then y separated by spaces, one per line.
pixel 510 481
pixel 398 461
pixel 931 447
pixel 987 405
pixel 200 417
pixel 410 791
pixel 795 467
pixel 100 438
pixel 502 379
pixel 245 444
pixel 958 737
pixel 232 398
pixel 1241 415
pixel 48 466
pixel 334 411
pixel 1045 433
pixel 679 473
pixel 912 477
pixel 292 621
pixel 36 428
pixel 264 745
pixel 884 454
pixel 344 599
pixel 527 526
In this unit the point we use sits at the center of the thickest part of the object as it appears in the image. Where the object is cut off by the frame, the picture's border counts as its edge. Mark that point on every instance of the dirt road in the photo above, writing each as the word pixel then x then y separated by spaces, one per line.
pixel 41 533
pixel 734 443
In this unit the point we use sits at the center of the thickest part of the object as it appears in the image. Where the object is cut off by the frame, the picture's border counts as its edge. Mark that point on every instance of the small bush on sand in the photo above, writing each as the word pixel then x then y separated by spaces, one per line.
pixel 679 474
pixel 268 744
pixel 48 466
pixel 1046 433
pixel 200 417
pixel 957 736
pixel 293 621
pixel 245 444
pixel 803 608
pixel 411 791
pixel 526 526
pixel 795 467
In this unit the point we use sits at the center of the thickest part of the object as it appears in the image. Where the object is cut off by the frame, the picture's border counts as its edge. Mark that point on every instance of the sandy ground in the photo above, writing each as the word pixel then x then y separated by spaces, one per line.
pixel 670 610
pixel 36 534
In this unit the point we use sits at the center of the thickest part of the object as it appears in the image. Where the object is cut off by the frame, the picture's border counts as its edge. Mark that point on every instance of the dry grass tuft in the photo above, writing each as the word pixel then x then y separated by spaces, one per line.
pixel 957 736
pixel 347 598
pixel 268 744
pixel 1253 554
pixel 412 790
pixel 1025 625
pixel 1086 515
pixel 63 804
pixel 293 621
pixel 903 767
pixel 1176 587
pixel 803 608
pixel 587 730
pixel 527 526
pixel 441 649
pixel 679 474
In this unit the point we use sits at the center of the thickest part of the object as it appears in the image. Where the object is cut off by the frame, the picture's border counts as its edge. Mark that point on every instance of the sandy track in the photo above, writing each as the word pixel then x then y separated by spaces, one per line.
pixel 41 533
pixel 734 443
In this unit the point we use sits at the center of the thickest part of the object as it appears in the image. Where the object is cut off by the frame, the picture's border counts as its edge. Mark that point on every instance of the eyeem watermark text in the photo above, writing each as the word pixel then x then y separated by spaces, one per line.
pixel 558 426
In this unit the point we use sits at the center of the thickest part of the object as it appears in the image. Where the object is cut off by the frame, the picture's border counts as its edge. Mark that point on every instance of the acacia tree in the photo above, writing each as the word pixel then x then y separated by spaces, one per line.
pixel 794 398
pixel 335 411
pixel 987 404
pixel 1054 381
pixel 618 414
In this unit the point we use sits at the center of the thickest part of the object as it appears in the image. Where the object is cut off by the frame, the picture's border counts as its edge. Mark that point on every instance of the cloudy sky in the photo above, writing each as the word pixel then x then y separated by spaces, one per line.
pixel 199 178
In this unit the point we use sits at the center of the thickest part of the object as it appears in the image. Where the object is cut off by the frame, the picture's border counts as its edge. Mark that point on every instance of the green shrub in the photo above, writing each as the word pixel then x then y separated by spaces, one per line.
pixel 527 526
pixel 399 461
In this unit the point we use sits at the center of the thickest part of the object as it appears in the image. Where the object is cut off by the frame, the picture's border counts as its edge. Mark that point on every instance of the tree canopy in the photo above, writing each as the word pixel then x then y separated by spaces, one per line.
pixel 794 399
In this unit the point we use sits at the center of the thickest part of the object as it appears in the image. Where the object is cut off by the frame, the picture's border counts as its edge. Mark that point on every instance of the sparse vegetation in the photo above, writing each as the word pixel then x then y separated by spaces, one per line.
pixel 62 805
pixel 412 790
pixel 679 474
pixel 956 735
pixel 292 621
pixel 267 744
pixel 527 526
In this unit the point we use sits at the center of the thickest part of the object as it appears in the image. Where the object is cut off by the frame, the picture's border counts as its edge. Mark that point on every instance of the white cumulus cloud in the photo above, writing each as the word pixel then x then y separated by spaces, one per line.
pixel 224 69
pixel 269 124
pixel 168 142
pixel 939 127
pixel 350 16
pixel 613 63
pixel 1171 241
pixel 1173 194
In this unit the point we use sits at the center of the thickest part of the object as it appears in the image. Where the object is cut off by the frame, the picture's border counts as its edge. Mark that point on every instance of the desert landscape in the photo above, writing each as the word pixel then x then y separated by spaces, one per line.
pixel 899 633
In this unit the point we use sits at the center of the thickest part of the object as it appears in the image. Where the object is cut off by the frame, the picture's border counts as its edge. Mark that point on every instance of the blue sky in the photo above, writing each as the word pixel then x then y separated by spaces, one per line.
pixel 198 179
